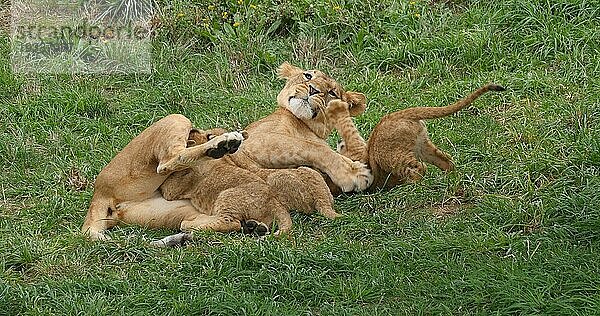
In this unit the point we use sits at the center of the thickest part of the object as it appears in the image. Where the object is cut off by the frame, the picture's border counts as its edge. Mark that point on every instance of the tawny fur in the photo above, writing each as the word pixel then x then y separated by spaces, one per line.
pixel 295 134
pixel 399 145
pixel 126 190
pixel 229 195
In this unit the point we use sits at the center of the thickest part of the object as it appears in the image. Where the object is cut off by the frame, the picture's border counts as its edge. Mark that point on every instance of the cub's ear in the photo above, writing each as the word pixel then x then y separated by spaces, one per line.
pixel 357 101
pixel 287 70
pixel 194 136
pixel 190 143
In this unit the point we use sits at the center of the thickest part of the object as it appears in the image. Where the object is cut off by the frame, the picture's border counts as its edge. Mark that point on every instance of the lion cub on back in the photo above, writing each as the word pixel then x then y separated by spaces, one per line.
pixel 399 144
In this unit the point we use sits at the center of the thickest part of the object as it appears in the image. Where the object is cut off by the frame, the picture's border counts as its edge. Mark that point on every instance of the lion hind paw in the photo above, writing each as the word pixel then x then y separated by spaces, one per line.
pixel 177 240
pixel 227 143
pixel 252 227
pixel 217 147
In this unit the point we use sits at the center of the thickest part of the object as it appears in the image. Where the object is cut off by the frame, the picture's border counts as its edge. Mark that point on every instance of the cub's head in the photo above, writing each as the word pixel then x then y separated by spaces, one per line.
pixel 307 93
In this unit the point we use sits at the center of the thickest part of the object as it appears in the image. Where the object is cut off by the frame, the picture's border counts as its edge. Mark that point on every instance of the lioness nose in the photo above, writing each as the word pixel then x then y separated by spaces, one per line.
pixel 312 90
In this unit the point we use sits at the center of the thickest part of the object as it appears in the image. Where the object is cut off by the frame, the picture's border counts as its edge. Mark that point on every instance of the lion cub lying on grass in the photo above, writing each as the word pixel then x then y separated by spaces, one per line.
pixel 399 144
pixel 233 198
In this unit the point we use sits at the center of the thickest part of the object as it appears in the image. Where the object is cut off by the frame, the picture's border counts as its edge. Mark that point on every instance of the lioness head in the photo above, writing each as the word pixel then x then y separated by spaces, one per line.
pixel 307 93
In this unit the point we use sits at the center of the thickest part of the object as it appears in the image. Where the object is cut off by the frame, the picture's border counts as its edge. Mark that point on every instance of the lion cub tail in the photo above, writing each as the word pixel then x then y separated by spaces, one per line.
pixel 424 113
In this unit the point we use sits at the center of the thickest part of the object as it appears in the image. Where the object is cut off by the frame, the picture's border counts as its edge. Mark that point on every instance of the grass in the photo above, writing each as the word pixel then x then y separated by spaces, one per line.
pixel 515 229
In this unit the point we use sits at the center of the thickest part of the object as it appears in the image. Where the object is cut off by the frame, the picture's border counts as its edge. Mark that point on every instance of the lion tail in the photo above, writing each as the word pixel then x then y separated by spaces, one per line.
pixel 424 113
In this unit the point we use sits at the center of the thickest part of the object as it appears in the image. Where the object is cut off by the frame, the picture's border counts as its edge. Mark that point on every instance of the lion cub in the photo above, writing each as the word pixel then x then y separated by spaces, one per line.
pixel 230 196
pixel 399 144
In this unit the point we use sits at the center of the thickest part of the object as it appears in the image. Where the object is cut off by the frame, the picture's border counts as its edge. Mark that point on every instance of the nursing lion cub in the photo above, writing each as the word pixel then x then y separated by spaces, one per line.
pixel 295 133
pixel 399 144
pixel 232 198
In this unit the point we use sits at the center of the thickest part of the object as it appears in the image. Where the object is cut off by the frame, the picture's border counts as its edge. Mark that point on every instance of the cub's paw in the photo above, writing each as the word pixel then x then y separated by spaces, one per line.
pixel 252 227
pixel 337 108
pixel 176 240
pixel 329 213
pixel 227 143
pixel 338 104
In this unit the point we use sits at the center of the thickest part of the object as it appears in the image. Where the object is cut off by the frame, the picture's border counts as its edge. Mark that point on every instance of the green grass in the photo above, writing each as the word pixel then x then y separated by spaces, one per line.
pixel 515 229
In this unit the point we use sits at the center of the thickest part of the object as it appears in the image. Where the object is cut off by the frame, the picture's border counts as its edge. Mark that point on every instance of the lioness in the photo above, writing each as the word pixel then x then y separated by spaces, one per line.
pixel 295 134
pixel 126 190
pixel 399 144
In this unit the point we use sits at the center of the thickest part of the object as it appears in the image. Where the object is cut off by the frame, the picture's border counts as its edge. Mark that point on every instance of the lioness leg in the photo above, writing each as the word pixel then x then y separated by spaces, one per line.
pixel 226 224
pixel 251 227
pixel 217 223
pixel 156 212
pixel 198 222
pixel 131 174
pixel 347 174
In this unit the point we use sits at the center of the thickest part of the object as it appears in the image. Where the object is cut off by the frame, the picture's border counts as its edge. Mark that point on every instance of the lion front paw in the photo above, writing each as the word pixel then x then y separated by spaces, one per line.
pixel 337 109
pixel 227 143
pixel 358 179
pixel 363 177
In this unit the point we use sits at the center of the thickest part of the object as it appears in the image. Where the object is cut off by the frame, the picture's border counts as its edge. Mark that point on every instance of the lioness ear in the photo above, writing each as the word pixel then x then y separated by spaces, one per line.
pixel 357 101
pixel 287 70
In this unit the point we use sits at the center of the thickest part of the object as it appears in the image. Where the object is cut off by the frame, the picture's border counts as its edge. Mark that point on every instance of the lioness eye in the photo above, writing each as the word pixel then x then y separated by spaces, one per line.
pixel 307 76
pixel 332 93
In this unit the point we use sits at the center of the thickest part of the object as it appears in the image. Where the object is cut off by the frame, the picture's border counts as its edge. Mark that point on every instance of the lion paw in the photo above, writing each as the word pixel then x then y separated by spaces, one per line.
pixel 252 227
pixel 363 177
pixel 227 143
pixel 216 147
pixel 359 178
pixel 338 104
pixel 337 109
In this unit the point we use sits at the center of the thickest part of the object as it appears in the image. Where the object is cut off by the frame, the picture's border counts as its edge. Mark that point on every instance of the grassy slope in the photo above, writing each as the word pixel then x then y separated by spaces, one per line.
pixel 514 229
